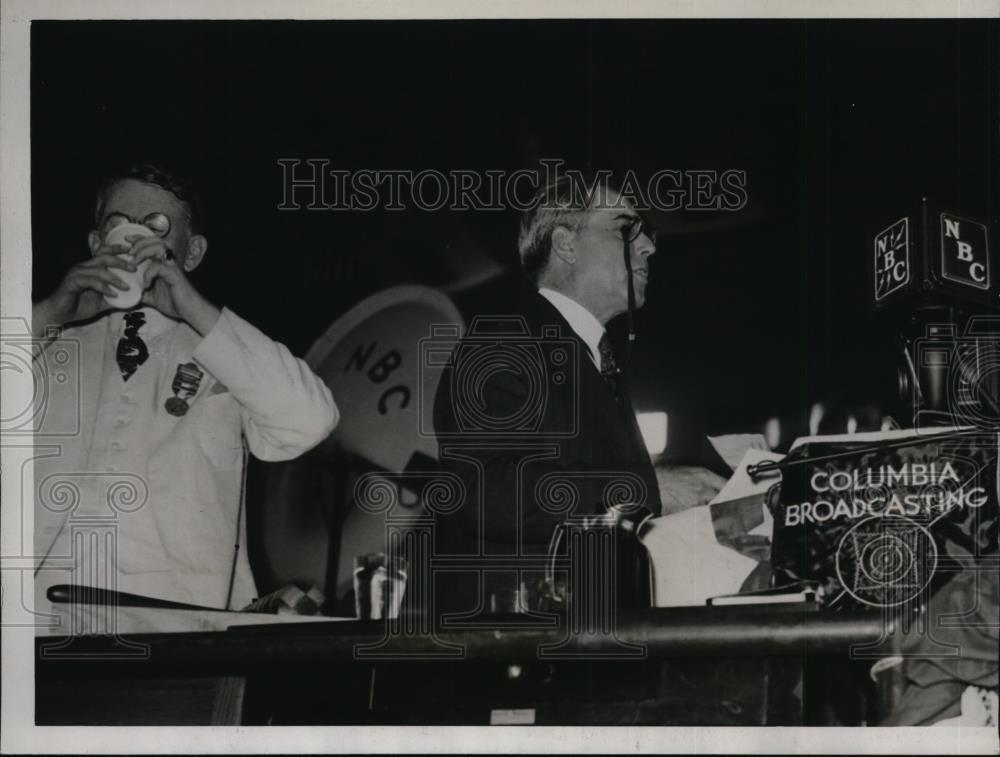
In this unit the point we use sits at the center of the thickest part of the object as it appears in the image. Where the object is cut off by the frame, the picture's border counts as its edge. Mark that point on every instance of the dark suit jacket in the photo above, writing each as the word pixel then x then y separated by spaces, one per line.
pixel 525 419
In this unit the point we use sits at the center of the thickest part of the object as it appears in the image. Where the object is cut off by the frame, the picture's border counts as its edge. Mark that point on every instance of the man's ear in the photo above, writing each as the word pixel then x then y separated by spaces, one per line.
pixel 197 246
pixel 562 244
pixel 94 242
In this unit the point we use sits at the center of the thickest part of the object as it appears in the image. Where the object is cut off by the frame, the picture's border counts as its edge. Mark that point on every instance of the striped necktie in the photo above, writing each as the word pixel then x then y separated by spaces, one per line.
pixel 609 369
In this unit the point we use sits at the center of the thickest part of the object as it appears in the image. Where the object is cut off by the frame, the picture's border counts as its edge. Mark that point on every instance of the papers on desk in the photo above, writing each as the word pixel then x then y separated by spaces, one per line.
pixel 77 619
pixel 733 447
pixel 689 564
pixel 769 597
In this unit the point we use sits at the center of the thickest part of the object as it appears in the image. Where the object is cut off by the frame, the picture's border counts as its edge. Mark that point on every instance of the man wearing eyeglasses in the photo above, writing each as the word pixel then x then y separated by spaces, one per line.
pixel 152 445
pixel 535 417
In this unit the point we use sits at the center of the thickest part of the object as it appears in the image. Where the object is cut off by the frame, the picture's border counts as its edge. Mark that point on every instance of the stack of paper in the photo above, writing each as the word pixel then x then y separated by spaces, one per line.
pixel 689 564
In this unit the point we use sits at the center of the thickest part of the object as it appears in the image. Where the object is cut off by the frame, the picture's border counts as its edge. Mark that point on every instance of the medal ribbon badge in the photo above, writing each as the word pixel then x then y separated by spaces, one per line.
pixel 187 379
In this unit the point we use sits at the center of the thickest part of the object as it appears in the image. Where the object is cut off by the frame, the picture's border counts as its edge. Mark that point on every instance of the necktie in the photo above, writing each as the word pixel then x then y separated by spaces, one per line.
pixel 132 350
pixel 609 369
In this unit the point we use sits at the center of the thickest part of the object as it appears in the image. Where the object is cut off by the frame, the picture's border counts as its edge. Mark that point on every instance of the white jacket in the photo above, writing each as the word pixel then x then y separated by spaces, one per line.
pixel 130 497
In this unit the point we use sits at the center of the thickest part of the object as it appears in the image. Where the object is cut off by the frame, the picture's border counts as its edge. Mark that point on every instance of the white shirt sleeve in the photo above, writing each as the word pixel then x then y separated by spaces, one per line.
pixel 287 409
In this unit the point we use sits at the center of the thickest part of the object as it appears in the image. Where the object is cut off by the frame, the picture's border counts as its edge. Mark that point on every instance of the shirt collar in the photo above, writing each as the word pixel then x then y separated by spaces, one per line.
pixel 581 320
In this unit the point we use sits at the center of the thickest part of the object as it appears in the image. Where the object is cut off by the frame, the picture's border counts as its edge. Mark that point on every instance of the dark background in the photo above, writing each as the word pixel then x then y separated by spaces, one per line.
pixel 841 127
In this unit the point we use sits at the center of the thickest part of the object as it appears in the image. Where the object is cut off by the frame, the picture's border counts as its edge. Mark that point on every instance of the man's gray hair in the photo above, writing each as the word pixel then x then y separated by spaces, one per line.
pixel 564 202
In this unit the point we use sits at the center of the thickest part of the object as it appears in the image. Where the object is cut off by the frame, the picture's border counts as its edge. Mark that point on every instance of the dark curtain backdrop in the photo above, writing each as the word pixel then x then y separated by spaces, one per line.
pixel 841 127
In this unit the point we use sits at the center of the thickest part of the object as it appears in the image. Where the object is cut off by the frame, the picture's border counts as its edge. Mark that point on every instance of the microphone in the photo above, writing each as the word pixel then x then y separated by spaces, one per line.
pixel 933 278
pixel 629 237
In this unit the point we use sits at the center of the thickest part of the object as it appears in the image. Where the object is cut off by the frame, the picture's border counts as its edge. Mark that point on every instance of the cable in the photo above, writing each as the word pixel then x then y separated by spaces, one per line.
pixel 631 301
pixel 239 526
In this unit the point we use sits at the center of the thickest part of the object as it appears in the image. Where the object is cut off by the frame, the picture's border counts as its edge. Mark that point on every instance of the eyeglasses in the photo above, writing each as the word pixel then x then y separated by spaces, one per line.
pixel 156 222
pixel 636 228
